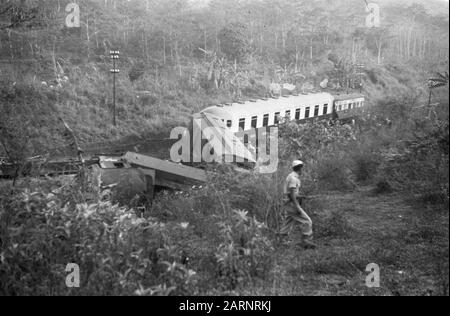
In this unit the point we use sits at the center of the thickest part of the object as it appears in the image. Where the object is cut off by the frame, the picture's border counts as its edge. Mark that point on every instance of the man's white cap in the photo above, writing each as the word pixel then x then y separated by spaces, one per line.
pixel 297 163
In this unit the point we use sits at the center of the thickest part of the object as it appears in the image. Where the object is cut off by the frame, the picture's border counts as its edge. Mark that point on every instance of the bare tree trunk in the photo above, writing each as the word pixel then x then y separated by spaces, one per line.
pixel 147 55
pixel 217 42
pixel 164 50
pixel 409 42
pixel 177 55
pixel 276 40
pixel 88 38
pixel 11 50
pixel 54 59
pixel 380 47
pixel 261 41
pixel 204 35
pixel 95 30
pixel 353 50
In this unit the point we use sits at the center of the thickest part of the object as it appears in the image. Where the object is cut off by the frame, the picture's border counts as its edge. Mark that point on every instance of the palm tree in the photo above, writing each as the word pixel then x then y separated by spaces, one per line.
pixel 441 80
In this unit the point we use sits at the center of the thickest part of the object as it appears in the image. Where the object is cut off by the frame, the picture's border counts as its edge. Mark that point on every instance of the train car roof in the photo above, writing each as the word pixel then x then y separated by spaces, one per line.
pixel 350 96
pixel 266 106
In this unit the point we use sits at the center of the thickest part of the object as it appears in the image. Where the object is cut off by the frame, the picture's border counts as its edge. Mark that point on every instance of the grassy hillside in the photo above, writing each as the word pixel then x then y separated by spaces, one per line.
pixel 150 108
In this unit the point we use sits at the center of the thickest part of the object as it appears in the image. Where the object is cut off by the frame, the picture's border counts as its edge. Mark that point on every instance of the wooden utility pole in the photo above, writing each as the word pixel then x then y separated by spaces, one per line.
pixel 114 56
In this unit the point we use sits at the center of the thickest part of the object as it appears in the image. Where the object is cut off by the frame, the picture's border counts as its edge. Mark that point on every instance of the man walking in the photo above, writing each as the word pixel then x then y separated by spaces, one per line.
pixel 295 215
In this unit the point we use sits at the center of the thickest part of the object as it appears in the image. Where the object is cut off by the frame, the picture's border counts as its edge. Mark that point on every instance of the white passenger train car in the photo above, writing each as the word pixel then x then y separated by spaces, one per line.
pixel 348 101
pixel 253 114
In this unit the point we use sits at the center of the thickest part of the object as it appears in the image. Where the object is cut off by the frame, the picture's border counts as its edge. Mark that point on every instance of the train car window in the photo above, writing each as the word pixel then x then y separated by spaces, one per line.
pixel 242 124
pixel 254 121
pixel 229 123
pixel 350 106
pixel 277 117
pixel 325 109
pixel 288 115
pixel 316 110
pixel 297 114
pixel 307 112
pixel 266 120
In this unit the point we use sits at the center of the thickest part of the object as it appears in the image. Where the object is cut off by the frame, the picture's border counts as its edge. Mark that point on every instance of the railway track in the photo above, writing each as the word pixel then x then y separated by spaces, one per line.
pixel 42 167
pixel 63 162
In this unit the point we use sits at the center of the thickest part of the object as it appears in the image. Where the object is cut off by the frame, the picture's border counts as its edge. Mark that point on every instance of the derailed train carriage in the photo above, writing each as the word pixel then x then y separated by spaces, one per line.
pixel 261 113
pixel 251 121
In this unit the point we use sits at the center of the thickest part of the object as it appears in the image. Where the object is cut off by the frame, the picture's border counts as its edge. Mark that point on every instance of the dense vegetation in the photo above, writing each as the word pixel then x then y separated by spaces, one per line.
pixel 379 189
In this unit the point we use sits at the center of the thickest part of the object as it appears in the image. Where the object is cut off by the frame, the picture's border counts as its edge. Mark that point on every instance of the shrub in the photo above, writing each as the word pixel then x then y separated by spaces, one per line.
pixel 173 249
pixel 243 254
pixel 333 174
pixel 364 166
pixel 118 252
pixel 239 208
pixel 420 166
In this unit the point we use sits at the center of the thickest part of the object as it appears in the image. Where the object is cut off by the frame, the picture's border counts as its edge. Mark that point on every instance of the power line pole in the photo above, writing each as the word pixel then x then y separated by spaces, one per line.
pixel 114 54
